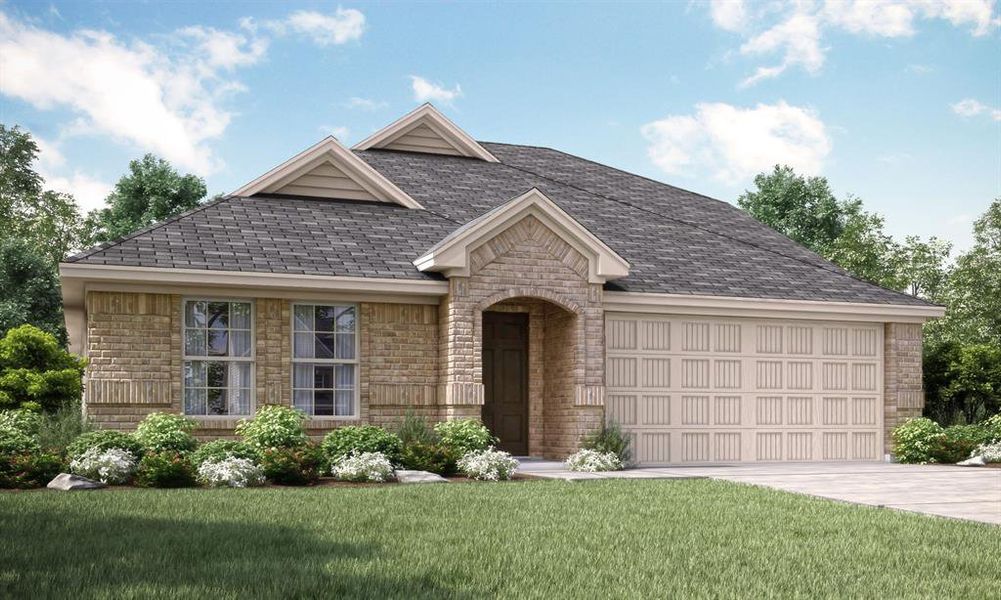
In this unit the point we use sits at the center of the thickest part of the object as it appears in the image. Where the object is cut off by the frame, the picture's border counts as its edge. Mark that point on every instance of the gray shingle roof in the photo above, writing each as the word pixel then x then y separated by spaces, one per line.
pixel 676 241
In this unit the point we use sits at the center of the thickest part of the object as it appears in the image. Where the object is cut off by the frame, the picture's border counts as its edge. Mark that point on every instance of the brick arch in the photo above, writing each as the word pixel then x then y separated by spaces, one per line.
pixel 530 292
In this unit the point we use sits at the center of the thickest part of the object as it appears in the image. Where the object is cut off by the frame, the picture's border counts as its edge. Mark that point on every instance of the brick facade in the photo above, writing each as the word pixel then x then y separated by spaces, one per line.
pixel 903 395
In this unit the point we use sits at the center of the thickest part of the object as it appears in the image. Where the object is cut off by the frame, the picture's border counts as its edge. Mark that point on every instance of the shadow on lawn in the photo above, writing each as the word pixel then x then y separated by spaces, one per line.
pixel 69 554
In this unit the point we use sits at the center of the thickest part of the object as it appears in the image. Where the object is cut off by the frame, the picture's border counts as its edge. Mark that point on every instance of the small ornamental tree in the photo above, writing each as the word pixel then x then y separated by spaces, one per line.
pixel 35 369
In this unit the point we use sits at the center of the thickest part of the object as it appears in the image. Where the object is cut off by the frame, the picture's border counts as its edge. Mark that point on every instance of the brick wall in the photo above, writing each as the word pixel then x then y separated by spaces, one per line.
pixel 903 395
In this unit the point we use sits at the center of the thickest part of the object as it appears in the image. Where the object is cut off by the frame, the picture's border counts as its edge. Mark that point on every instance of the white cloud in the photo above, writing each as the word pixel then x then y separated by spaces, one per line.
pixel 733 143
pixel 885 18
pixel 225 49
pixel 88 191
pixel 730 15
pixel 365 103
pixel 426 91
pixel 971 107
pixel 345 25
pixel 797 38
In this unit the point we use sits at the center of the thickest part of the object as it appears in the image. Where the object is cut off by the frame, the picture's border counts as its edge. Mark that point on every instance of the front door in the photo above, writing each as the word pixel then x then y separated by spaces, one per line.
pixel 505 379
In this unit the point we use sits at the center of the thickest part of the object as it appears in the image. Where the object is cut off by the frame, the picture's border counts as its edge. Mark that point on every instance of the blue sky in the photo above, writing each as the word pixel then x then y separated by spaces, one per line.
pixel 897 102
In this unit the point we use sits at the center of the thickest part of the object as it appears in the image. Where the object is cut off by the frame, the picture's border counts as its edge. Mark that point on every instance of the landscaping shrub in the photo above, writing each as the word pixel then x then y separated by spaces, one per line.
pixel 114 465
pixel 592 461
pixel 23 420
pixel 103 439
pixel 163 432
pixel 230 471
pixel 992 429
pixel 18 432
pixel 914 440
pixel 956 443
pixel 609 438
pixel 217 450
pixel 292 466
pixel 362 467
pixel 168 469
pixel 274 426
pixel 991 452
pixel 28 470
pixel 35 369
pixel 415 430
pixel 462 436
pixel 359 439
pixel 488 465
pixel 58 429
pixel 435 458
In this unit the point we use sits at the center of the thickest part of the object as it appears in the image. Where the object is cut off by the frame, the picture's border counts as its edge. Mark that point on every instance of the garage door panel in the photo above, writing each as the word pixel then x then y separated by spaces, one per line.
pixel 693 390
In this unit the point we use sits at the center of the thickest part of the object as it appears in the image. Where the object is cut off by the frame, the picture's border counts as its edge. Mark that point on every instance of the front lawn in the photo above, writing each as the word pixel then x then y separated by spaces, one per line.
pixel 512 540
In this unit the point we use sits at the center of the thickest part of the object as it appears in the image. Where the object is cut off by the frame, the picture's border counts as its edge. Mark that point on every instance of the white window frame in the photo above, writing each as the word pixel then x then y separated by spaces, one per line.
pixel 356 397
pixel 252 359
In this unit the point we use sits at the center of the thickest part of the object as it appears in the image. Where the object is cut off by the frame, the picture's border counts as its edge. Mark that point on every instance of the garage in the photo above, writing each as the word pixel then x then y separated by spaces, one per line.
pixel 699 390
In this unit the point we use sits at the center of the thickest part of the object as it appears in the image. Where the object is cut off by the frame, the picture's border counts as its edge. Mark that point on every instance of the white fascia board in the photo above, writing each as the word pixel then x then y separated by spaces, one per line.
pixel 451 255
pixel 428 114
pixel 344 159
pixel 76 277
pixel 729 306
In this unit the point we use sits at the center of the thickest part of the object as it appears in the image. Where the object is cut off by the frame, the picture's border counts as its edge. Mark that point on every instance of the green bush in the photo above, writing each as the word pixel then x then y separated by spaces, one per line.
pixel 35 369
pixel 58 429
pixel 913 440
pixel 356 439
pixel 14 441
pixel 163 432
pixel 221 449
pixel 168 469
pixel 462 436
pixel 992 429
pixel 31 470
pixel 103 439
pixel 293 466
pixel 609 438
pixel 957 443
pixel 25 421
pixel 415 430
pixel 435 458
pixel 274 427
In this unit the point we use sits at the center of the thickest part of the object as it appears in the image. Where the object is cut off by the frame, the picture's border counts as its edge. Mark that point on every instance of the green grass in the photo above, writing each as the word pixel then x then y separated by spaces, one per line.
pixel 514 540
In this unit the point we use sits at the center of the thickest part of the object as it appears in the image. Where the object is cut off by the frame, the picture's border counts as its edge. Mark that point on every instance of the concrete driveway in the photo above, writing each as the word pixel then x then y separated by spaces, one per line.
pixel 947 491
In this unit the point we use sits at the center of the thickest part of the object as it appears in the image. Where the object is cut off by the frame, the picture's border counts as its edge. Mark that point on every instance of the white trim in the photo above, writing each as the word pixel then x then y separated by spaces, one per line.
pixel 724 306
pixel 451 255
pixel 251 360
pixel 330 150
pixel 328 361
pixel 429 115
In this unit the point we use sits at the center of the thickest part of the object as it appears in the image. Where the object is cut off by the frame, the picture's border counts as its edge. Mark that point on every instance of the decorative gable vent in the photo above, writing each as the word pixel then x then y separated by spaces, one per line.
pixel 427 131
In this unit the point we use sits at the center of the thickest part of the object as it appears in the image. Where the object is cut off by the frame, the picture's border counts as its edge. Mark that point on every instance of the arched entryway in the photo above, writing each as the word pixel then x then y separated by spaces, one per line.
pixel 529 367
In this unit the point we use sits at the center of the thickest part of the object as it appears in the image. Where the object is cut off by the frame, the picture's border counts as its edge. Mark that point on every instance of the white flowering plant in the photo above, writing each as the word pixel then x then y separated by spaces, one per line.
pixel 114 465
pixel 592 461
pixel 990 452
pixel 362 467
pixel 488 465
pixel 230 472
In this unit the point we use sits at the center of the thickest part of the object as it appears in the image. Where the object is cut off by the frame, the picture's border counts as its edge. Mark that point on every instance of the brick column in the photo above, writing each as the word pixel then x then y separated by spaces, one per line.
pixel 903 395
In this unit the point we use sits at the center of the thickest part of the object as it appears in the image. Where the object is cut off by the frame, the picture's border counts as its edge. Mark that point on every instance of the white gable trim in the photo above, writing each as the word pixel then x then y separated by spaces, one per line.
pixel 428 115
pixel 330 150
pixel 451 255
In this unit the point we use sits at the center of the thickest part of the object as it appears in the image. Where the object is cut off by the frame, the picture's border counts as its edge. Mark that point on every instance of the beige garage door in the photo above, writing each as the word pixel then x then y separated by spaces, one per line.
pixel 714 390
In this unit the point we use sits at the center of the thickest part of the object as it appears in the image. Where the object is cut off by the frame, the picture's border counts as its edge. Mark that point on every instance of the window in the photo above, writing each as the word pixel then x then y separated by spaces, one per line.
pixel 218 357
pixel 325 360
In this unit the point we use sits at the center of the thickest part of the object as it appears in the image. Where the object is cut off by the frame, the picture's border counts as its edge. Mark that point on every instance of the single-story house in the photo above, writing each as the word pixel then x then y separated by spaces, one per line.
pixel 423 271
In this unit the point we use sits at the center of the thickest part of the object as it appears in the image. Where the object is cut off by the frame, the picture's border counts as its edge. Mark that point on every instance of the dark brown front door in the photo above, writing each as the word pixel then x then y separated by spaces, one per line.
pixel 505 379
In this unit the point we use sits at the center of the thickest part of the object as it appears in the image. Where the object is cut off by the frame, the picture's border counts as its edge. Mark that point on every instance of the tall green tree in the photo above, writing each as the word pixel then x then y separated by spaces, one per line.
pixel 150 192
pixel 29 289
pixel 806 210
pixel 923 267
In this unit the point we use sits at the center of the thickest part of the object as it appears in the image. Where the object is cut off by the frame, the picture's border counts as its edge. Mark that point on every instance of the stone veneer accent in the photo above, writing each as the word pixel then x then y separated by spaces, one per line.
pixel 903 395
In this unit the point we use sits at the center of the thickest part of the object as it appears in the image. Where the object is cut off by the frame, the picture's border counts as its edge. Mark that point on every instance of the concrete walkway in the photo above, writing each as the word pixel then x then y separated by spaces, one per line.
pixel 958 492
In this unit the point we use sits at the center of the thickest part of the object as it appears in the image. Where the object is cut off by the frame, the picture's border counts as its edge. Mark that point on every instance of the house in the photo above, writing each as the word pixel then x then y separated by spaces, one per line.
pixel 423 271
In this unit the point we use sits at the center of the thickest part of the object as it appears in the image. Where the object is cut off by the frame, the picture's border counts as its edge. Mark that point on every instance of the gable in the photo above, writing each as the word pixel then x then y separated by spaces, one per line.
pixel 427 131
pixel 328 170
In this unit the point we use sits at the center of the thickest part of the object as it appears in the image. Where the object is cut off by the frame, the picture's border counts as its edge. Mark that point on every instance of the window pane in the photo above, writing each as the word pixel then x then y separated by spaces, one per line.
pixel 345 345
pixel 303 400
pixel 239 315
pixel 303 345
pixel 194 314
pixel 303 317
pixel 194 374
pixel 303 376
pixel 345 377
pixel 346 319
pixel 216 399
pixel 323 403
pixel 194 401
pixel 240 343
pixel 324 318
pixel 194 342
pixel 239 375
pixel 216 374
pixel 323 377
pixel 239 402
pixel 345 403
pixel 218 315
pixel 218 342
pixel 324 346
